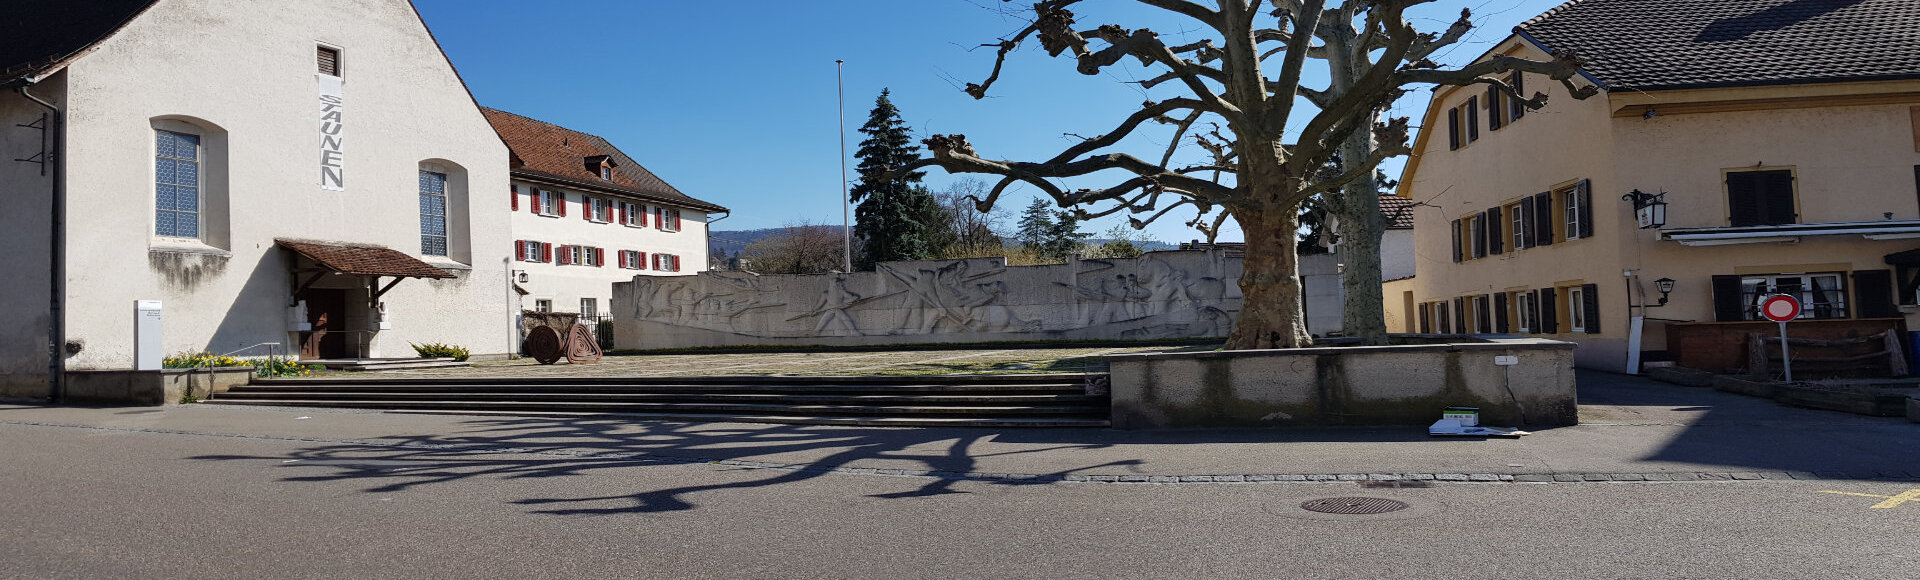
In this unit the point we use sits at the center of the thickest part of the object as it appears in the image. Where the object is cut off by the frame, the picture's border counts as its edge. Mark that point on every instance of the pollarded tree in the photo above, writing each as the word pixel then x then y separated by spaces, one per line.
pixel 1253 177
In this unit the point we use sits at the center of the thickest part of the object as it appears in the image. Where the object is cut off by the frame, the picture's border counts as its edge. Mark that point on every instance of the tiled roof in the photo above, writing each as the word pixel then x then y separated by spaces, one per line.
pixel 366 260
pixel 1399 212
pixel 1672 44
pixel 542 150
pixel 40 34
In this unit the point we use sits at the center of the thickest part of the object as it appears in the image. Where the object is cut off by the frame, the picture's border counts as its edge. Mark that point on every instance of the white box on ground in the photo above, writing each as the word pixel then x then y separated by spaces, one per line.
pixel 147 344
pixel 1506 360
pixel 1466 416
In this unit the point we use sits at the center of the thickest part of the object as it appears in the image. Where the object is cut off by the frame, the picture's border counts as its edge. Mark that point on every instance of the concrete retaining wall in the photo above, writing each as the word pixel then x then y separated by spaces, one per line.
pixel 1387 385
pixel 161 387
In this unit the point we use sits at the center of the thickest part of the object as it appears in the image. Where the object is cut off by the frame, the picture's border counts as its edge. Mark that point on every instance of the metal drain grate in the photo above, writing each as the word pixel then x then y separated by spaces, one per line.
pixel 1353 505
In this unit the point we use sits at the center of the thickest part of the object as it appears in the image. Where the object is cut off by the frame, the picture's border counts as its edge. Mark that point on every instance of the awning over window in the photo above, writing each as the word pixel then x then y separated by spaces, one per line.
pixel 364 260
pixel 1787 233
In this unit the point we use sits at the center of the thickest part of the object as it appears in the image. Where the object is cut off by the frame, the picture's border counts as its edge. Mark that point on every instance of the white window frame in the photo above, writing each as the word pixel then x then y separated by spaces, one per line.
pixel 632 211
pixel 1570 198
pixel 542 305
pixel 669 219
pixel 590 256
pixel 199 185
pixel 547 202
pixel 598 207
pixel 1482 304
pixel 1520 228
pixel 589 309
pixel 1811 308
pixel 1576 309
pixel 1524 311
pixel 533 251
pixel 606 172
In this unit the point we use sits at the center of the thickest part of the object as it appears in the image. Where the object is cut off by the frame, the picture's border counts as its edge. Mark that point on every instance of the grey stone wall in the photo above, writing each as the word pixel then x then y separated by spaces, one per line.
pixel 1177 294
pixel 1377 385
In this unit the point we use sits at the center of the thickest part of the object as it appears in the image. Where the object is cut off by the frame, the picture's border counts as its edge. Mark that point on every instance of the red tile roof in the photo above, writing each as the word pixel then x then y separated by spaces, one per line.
pixel 1399 212
pixel 362 259
pixel 548 152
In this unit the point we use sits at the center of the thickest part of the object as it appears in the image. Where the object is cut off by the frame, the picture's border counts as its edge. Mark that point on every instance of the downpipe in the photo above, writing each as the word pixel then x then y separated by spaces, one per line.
pixel 57 234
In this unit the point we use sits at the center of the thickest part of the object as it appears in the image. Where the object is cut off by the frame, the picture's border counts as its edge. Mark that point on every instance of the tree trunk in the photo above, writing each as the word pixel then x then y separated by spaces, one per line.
pixel 1361 228
pixel 1270 314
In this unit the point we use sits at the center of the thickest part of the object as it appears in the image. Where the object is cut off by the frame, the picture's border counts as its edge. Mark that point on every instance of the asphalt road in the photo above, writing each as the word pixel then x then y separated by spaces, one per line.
pixel 199 491
pixel 87 502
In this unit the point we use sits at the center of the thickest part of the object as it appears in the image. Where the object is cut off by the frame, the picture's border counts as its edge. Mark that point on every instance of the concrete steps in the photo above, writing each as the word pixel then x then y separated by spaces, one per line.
pixel 1054 400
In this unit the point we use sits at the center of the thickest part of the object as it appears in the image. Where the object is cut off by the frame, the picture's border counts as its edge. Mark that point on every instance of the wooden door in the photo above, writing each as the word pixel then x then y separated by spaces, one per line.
pixel 327 313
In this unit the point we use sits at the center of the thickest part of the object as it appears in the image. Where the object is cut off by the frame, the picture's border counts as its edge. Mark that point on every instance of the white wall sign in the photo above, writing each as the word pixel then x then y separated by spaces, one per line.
pixel 332 133
pixel 147 349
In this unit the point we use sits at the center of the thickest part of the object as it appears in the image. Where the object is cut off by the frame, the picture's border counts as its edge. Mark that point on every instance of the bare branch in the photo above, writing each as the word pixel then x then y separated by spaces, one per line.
pixel 1562 68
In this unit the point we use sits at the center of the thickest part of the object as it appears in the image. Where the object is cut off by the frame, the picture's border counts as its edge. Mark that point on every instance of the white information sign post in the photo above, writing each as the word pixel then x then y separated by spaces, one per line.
pixel 1782 308
pixel 147 350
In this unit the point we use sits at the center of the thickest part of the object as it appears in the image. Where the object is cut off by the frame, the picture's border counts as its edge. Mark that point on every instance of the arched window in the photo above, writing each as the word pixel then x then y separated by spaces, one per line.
pixel 190 205
pixel 444 228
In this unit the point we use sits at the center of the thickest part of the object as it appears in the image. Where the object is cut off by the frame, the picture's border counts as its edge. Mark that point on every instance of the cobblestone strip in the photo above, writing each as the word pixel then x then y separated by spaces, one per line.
pixel 1382 479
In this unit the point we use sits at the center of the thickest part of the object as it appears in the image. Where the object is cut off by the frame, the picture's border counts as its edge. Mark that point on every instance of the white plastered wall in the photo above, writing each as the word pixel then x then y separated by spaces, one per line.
pixel 248 69
pixel 565 285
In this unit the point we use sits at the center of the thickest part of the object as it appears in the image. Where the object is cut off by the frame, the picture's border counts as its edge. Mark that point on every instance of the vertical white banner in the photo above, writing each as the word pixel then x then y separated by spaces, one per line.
pixel 333 174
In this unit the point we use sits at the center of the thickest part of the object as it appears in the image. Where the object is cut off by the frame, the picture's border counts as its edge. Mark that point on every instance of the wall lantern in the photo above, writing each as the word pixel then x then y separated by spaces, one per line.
pixel 1650 209
pixel 1665 286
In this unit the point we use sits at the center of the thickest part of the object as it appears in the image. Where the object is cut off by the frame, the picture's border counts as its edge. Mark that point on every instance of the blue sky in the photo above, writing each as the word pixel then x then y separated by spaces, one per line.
pixel 734 102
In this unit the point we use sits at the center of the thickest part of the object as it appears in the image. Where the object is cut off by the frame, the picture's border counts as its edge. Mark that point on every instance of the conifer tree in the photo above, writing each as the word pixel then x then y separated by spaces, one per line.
pixel 893 216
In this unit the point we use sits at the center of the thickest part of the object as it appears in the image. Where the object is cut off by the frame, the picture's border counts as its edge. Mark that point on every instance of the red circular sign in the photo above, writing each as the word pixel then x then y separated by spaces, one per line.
pixel 1780 308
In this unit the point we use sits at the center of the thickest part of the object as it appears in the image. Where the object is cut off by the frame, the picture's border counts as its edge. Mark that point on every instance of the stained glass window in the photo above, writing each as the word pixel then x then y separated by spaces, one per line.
pixel 176 177
pixel 433 213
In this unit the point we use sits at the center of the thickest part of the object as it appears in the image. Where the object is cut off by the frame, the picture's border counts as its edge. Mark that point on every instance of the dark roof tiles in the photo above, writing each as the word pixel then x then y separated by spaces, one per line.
pixel 1675 44
pixel 43 33
pixel 363 259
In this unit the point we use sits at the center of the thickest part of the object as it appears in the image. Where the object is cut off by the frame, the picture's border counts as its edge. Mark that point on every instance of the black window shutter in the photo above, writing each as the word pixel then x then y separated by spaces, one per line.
pixel 1456 240
pixel 1590 294
pixel 1460 316
pixel 1727 299
pixel 1479 235
pixel 1500 321
pixel 1549 322
pixel 1873 294
pixel 1916 181
pixel 1426 326
pixel 1495 239
pixel 1453 129
pixel 1473 118
pixel 1585 194
pixel 1526 222
pixel 1777 202
pixel 1743 198
pixel 1519 88
pixel 1494 116
pixel 1543 219
pixel 1443 324
pixel 1481 313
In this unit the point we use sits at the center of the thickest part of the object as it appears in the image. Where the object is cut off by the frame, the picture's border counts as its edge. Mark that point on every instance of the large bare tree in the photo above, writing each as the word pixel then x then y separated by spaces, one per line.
pixel 1242 80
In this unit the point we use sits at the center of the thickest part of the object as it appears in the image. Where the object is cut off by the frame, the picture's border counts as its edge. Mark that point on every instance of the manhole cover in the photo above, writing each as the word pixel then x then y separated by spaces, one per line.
pixel 1353 505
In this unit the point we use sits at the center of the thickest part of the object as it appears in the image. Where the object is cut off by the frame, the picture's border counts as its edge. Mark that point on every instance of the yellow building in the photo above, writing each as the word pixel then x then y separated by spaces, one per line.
pixel 1783 138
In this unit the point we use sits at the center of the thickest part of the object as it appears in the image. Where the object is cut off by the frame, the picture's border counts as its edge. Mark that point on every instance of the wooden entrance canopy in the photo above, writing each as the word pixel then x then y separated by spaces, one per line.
pixel 358 260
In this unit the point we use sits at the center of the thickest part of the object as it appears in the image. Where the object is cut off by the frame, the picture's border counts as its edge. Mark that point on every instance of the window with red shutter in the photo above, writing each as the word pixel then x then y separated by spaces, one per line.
pixel 640 260
pixel 520 250
pixel 560 203
pixel 513 195
pixel 546 253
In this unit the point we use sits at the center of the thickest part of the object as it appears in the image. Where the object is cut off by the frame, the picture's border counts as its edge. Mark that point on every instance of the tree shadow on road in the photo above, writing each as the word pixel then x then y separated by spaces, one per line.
pixel 540 448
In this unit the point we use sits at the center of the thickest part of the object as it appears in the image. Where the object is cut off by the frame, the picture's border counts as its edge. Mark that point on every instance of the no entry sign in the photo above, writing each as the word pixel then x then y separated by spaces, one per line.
pixel 1780 307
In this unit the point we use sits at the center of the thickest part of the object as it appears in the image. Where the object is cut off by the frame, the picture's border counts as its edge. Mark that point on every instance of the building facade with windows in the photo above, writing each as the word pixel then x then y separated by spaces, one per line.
pixel 585 215
pixel 281 173
pixel 1780 140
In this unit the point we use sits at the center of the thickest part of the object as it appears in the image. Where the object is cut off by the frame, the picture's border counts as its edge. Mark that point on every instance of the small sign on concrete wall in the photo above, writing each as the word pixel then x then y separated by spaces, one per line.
pixel 147 349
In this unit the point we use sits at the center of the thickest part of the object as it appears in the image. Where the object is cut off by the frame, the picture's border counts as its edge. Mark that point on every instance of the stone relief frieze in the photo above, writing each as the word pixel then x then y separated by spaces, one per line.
pixel 1160 295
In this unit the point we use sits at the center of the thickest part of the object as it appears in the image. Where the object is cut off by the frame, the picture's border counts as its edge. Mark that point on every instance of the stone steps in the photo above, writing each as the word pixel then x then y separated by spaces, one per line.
pixel 1057 400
